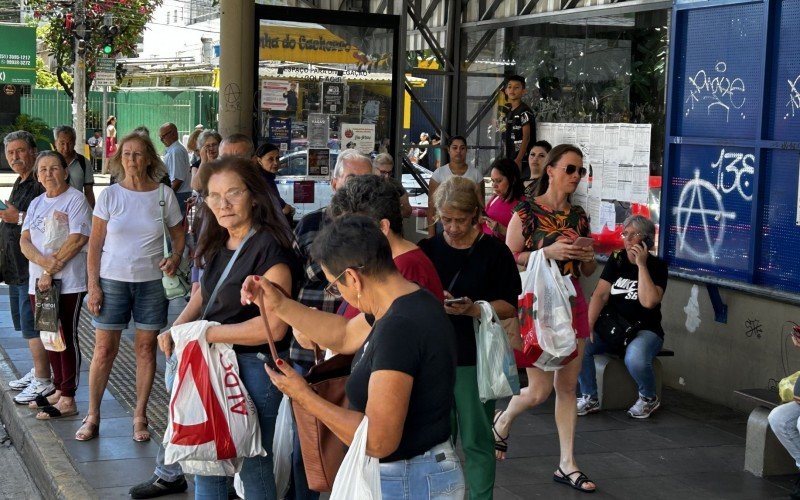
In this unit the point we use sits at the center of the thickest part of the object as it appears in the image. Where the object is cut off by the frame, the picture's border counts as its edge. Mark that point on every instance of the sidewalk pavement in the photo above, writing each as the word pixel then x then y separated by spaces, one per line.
pixel 689 449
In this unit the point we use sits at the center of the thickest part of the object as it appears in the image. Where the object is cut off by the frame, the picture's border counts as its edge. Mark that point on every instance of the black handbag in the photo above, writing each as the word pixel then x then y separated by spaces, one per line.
pixel 614 330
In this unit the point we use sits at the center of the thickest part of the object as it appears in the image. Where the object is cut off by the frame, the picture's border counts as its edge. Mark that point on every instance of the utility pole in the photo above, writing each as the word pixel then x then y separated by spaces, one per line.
pixel 79 77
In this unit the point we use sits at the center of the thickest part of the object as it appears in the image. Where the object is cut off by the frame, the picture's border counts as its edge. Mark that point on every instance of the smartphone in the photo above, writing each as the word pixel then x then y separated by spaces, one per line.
pixel 3 206
pixel 267 360
pixel 460 300
pixel 583 241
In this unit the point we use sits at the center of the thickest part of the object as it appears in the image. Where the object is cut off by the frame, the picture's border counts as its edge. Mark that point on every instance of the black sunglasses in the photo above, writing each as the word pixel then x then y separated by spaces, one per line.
pixel 571 169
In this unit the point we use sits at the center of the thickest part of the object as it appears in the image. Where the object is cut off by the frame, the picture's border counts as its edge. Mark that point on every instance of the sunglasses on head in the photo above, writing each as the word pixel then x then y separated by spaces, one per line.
pixel 571 169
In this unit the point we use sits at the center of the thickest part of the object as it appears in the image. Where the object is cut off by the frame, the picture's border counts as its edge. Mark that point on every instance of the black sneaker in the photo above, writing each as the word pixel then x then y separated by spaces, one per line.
pixel 157 487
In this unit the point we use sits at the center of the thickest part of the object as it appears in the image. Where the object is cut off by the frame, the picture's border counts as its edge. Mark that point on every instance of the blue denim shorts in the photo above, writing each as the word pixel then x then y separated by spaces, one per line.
pixel 145 301
pixel 437 473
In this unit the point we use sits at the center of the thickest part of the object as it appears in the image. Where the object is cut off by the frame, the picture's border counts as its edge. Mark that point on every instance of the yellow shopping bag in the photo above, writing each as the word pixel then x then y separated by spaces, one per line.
pixel 786 387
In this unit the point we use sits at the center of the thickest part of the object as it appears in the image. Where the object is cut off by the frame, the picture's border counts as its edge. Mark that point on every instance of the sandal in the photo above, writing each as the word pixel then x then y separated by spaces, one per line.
pixel 90 428
pixel 42 401
pixel 500 442
pixel 141 436
pixel 51 412
pixel 577 483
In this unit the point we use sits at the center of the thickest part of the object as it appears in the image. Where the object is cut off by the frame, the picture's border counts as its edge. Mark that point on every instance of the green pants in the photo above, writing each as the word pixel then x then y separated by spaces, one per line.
pixel 472 421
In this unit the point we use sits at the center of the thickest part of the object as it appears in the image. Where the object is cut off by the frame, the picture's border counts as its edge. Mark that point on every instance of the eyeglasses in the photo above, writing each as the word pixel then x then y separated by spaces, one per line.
pixel 571 169
pixel 385 173
pixel 214 200
pixel 333 287
pixel 628 236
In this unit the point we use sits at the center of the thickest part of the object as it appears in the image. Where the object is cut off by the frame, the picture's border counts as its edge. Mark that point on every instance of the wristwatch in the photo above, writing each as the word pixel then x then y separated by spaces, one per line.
pixel 45 273
pixel 20 218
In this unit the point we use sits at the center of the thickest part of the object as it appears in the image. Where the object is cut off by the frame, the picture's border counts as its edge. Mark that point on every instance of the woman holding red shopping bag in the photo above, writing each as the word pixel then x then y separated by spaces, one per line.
pixel 242 222
pixel 548 222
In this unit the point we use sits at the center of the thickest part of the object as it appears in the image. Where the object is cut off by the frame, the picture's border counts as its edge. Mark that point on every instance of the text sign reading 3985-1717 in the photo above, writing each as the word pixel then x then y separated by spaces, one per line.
pixel 17 54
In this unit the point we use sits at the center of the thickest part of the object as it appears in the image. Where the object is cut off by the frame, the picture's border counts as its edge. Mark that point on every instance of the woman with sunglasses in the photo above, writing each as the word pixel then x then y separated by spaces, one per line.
pixel 404 366
pixel 550 223
pixel 239 212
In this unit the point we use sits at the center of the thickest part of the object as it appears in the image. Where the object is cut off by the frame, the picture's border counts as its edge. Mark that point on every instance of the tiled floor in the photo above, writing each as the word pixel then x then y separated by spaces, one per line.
pixel 689 449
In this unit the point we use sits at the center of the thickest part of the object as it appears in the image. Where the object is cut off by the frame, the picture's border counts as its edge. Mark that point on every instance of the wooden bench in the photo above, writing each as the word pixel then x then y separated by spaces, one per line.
pixel 764 454
pixel 616 389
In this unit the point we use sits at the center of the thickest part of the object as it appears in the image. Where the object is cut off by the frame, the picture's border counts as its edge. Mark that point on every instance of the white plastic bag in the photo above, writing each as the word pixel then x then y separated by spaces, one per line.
pixel 552 311
pixel 56 230
pixel 212 420
pixel 497 370
pixel 360 475
pixel 282 447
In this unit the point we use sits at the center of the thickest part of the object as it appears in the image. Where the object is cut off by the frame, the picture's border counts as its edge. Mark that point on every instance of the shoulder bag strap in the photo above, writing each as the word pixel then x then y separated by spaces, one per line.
pixel 226 271
pixel 464 264
pixel 161 203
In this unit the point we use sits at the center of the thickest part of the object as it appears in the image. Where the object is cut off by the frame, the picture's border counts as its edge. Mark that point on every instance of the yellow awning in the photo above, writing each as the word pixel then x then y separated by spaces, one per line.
pixel 305 44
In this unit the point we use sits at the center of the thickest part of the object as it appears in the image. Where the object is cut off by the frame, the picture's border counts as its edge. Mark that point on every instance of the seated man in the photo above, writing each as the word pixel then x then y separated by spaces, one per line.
pixel 630 291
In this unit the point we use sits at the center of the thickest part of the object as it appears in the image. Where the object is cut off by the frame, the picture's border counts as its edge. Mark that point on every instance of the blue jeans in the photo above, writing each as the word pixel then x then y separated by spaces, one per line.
pixel 434 474
pixel 20 303
pixel 257 475
pixel 785 423
pixel 639 357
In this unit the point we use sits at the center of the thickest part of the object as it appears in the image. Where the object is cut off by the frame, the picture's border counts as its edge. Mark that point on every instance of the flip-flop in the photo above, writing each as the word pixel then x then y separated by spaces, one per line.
pixel 51 412
pixel 500 442
pixel 40 402
pixel 577 483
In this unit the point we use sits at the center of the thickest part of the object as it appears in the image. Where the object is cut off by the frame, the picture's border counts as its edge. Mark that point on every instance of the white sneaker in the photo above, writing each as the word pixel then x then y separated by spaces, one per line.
pixel 23 382
pixel 644 407
pixel 34 390
pixel 587 405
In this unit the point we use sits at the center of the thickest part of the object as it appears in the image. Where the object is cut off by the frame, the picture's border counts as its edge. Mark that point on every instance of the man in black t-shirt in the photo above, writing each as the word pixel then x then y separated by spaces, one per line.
pixel 632 286
pixel 520 125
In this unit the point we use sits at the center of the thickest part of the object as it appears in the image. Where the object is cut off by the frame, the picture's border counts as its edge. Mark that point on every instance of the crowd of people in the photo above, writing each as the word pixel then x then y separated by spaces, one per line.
pixel 345 281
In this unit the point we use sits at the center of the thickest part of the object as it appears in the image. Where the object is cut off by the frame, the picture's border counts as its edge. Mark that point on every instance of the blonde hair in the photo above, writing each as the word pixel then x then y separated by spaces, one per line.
pixel 191 144
pixel 155 170
pixel 459 194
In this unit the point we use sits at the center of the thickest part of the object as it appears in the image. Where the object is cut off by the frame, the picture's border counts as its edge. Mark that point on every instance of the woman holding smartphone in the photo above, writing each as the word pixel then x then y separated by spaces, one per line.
pixel 631 286
pixel 550 223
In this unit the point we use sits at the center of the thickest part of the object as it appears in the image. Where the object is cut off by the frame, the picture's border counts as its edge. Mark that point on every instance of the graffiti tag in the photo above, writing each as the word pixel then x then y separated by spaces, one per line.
pixel 731 168
pixel 716 90
pixel 692 207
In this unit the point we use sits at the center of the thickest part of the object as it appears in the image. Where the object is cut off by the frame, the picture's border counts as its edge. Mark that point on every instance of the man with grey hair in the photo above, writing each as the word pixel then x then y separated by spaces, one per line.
pixel 350 163
pixel 237 145
pixel 80 177
pixel 20 150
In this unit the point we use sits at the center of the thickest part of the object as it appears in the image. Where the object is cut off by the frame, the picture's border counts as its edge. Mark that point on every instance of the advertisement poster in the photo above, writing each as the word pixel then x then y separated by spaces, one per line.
pixel 18 55
pixel 333 98
pixel 275 95
pixel 319 160
pixel 303 191
pixel 280 132
pixel 318 130
pixel 360 136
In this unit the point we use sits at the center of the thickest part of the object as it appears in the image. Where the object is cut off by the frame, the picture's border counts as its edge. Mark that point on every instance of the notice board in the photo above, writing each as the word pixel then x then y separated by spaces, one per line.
pixel 730 208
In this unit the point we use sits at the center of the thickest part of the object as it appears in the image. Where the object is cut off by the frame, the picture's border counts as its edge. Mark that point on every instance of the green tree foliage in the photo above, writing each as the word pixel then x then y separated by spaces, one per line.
pixel 59 27
pixel 46 79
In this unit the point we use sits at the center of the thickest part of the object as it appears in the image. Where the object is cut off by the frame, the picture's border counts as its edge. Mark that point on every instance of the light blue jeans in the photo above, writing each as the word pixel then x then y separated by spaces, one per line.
pixel 257 475
pixel 434 474
pixel 785 423
pixel 639 356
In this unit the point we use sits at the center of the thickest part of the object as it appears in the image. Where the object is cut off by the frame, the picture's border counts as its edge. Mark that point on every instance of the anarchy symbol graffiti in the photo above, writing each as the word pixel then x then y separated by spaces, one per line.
pixel 692 211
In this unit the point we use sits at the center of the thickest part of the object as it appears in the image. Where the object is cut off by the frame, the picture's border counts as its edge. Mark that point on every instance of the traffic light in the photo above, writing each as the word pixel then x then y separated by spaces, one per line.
pixel 108 33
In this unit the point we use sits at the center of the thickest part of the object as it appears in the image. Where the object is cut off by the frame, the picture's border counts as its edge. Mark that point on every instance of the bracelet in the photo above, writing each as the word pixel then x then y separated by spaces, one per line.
pixel 20 218
pixel 45 273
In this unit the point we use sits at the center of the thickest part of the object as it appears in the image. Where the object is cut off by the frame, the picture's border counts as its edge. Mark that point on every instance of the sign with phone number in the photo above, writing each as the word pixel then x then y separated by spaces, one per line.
pixel 17 55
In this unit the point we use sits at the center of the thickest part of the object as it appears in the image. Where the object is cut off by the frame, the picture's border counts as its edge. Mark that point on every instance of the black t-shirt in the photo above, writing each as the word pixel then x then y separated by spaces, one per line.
pixel 413 337
pixel 624 298
pixel 489 273
pixel 13 264
pixel 259 254
pixel 516 119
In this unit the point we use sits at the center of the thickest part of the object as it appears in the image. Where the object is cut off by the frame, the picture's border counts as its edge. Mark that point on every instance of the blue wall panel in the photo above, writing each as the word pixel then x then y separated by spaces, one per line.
pixel 784 96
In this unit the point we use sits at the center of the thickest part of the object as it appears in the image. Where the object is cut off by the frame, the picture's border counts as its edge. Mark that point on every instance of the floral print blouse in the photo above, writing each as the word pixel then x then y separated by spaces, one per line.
pixel 543 226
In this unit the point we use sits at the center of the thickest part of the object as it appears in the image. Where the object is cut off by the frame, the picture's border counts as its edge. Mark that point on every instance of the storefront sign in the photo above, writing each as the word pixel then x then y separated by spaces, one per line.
pixel 17 55
pixel 319 160
pixel 310 43
pixel 280 132
pixel 360 136
pixel 318 130
pixel 333 98
pixel 279 95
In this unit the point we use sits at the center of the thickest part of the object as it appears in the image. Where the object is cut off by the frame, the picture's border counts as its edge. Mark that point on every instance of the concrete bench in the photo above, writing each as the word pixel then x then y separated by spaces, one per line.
pixel 764 454
pixel 616 389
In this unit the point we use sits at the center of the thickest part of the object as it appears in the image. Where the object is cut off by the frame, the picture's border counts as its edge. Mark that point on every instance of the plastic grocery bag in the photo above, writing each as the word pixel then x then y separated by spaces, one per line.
pixel 497 369
pixel 282 444
pixel 360 475
pixel 56 230
pixel 45 313
pixel 786 387
pixel 545 314
pixel 212 420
